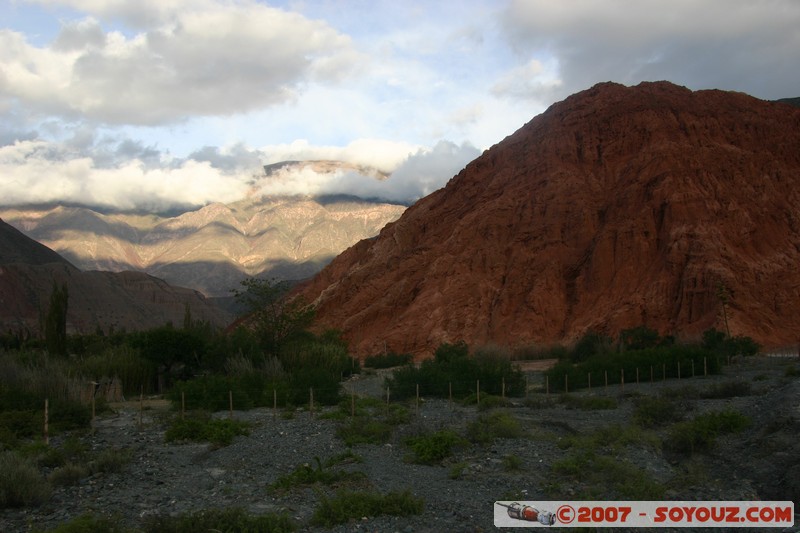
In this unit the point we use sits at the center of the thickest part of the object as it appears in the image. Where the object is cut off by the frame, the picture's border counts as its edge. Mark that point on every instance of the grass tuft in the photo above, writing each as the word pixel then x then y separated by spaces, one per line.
pixel 347 505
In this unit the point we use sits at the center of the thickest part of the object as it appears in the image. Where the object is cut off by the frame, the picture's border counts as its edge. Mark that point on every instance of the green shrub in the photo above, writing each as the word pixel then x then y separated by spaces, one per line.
pixel 699 434
pixel 664 360
pixel 457 470
pixel 597 477
pixel 360 431
pixel 388 360
pixel 453 369
pixel 653 411
pixel 233 520
pixel 212 393
pixel 611 438
pixel 494 425
pixel 201 427
pixel 435 447
pixel 21 485
pixel 306 474
pixel 69 474
pixel 346 506
pixel 374 421
pixel 512 463
pixel 112 460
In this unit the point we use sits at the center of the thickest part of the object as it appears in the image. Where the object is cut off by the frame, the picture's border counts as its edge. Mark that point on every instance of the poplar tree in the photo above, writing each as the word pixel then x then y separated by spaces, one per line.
pixel 55 328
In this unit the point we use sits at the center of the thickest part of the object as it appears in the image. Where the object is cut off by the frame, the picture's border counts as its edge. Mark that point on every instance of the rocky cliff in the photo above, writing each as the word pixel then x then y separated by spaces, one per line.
pixel 617 207
pixel 125 300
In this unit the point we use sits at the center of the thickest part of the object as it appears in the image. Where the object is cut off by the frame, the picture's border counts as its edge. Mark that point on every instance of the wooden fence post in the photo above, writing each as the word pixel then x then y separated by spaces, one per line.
pixel 450 394
pixel 622 378
pixel 311 401
pixel 230 404
pixel 503 388
pixel 183 405
pixel 46 423
pixel 589 378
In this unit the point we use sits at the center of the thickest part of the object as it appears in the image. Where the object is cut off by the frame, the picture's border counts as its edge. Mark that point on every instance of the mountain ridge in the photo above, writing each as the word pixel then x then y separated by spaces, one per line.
pixel 97 300
pixel 289 237
pixel 617 207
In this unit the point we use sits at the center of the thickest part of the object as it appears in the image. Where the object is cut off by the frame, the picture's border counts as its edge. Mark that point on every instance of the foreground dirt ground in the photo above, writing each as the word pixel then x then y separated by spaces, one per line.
pixel 570 447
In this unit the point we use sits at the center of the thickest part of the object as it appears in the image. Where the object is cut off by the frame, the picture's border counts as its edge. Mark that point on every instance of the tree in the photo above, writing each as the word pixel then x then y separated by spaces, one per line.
pixel 724 295
pixel 55 328
pixel 275 318
pixel 639 338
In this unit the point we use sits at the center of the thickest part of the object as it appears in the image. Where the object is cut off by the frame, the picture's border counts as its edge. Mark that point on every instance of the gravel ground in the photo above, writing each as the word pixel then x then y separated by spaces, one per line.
pixel 761 463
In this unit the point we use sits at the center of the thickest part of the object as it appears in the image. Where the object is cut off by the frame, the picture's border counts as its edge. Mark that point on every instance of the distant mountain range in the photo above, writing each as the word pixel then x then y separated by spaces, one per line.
pixel 214 247
pixel 97 300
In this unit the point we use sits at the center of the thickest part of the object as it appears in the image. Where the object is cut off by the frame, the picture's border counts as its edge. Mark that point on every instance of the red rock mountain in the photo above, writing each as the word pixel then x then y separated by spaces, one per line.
pixel 617 207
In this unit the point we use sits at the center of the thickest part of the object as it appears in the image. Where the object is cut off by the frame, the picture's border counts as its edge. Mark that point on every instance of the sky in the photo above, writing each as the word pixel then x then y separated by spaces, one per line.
pixel 169 104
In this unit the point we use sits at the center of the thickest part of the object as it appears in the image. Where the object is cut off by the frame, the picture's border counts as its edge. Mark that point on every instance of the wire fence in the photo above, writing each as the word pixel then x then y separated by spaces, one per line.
pixel 348 392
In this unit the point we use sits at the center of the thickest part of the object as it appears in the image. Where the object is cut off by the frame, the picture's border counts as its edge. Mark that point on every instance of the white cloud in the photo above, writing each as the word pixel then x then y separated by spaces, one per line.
pixel 417 175
pixel 204 59
pixel 40 172
pixel 125 174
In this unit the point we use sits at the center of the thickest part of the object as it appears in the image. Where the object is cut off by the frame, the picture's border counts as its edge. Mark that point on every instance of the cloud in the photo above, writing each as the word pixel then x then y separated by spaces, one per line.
pixel 205 58
pixel 727 44
pixel 123 174
pixel 417 175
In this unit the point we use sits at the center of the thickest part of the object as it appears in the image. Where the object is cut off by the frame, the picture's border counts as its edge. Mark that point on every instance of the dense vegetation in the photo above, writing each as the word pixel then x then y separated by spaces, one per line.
pixel 642 354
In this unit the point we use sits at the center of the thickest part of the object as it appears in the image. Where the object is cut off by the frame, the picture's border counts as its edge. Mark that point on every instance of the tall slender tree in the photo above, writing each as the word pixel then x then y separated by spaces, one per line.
pixel 55 328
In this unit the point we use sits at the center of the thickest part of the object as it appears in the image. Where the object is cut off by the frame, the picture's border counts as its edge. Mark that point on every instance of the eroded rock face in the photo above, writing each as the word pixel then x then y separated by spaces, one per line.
pixel 618 207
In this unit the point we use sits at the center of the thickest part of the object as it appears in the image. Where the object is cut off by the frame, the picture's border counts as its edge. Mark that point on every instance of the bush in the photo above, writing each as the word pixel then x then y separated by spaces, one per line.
pixel 599 477
pixel 664 360
pixel 20 482
pixel 360 431
pixel 453 367
pixel 699 434
pixel 653 411
pixel 212 393
pixel 495 425
pixel 202 428
pixel 69 474
pixel 233 520
pixel 306 474
pixel 111 461
pixel 512 463
pixel 435 447
pixel 346 506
